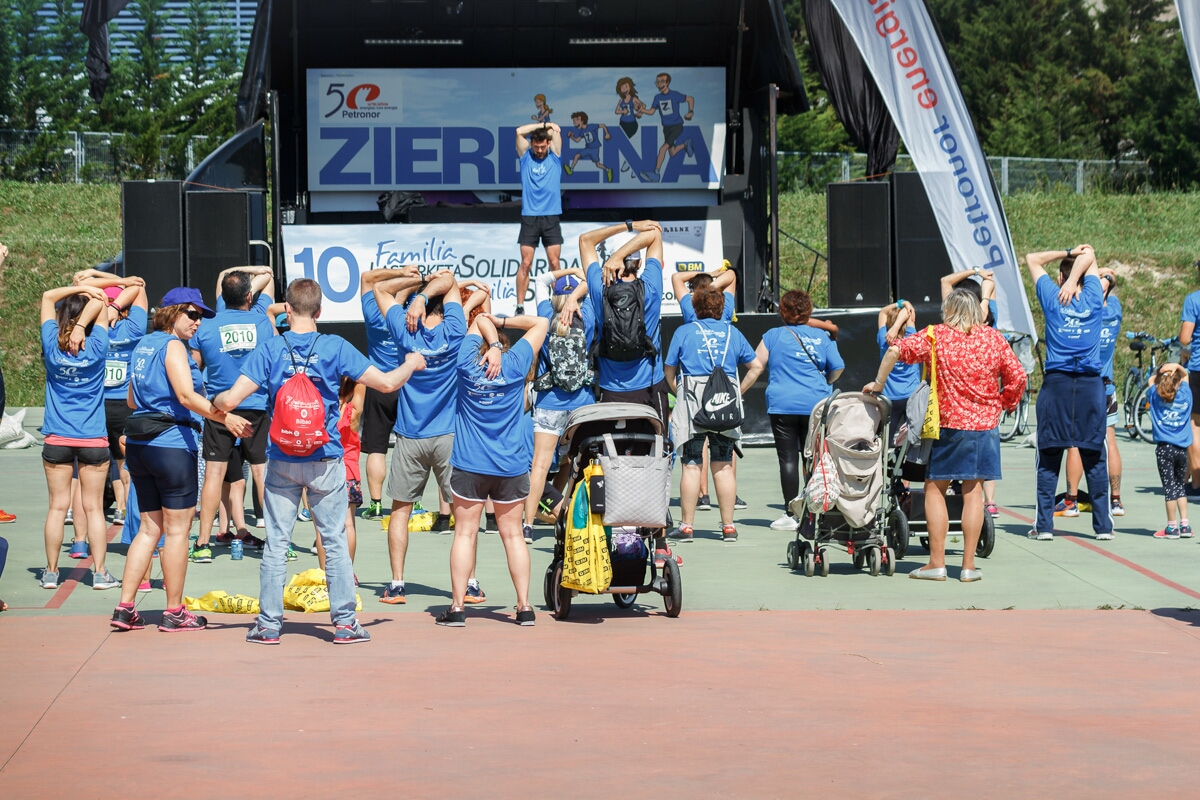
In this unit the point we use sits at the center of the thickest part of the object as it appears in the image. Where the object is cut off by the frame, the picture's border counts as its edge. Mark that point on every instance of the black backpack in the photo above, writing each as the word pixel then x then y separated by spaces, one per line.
pixel 720 403
pixel 568 368
pixel 623 335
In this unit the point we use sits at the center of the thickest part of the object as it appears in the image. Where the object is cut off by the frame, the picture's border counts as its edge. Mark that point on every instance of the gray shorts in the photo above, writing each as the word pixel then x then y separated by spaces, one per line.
pixel 548 421
pixel 412 461
pixel 476 488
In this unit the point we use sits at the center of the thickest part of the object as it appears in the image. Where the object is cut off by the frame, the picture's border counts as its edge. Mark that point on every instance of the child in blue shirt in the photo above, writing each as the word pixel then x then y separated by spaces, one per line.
pixel 1170 416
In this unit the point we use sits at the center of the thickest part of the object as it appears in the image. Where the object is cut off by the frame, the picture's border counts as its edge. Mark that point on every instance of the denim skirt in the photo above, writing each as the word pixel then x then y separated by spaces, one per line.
pixel 965 456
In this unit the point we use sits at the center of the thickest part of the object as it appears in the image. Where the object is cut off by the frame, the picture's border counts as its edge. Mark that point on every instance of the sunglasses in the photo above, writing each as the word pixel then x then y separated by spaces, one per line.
pixel 194 315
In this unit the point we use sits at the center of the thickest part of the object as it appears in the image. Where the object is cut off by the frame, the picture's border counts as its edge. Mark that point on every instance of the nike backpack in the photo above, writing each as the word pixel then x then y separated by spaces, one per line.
pixel 720 403
pixel 624 332
pixel 298 418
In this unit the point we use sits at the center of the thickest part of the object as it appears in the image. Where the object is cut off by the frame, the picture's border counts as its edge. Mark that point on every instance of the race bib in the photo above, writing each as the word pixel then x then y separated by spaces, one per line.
pixel 115 373
pixel 238 337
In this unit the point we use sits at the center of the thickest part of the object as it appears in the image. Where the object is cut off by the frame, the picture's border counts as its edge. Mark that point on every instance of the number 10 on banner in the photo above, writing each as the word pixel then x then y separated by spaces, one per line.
pixel 320 271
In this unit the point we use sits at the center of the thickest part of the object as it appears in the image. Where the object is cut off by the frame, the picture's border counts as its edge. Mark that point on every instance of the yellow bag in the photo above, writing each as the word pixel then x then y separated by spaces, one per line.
pixel 307 592
pixel 223 603
pixel 932 429
pixel 587 566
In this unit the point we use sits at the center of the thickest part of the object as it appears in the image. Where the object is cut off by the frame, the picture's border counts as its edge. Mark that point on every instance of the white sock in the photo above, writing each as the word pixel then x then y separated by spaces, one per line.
pixel 397 584
pixel 473 583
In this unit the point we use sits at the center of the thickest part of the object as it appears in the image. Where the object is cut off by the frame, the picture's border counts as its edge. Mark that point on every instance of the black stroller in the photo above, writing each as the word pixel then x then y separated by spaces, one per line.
pixel 635 430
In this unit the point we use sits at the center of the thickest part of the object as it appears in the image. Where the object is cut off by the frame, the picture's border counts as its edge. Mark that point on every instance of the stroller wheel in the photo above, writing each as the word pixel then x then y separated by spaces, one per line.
pixel 548 586
pixel 810 563
pixel 987 537
pixel 898 532
pixel 793 555
pixel 625 600
pixel 925 540
pixel 824 563
pixel 874 561
pixel 890 567
pixel 561 605
pixel 673 596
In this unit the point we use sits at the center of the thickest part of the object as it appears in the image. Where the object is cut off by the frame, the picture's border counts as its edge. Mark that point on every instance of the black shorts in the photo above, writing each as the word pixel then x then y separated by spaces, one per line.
pixel 233 472
pixel 476 488
pixel 219 441
pixel 164 477
pixel 378 419
pixel 671 133
pixel 115 414
pixel 657 397
pixel 546 230
pixel 1194 383
pixel 64 454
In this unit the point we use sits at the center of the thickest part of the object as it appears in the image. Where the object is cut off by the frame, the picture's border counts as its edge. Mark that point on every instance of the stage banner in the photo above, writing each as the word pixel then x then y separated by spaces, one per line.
pixel 337 255
pixel 455 129
pixel 1189 23
pixel 905 55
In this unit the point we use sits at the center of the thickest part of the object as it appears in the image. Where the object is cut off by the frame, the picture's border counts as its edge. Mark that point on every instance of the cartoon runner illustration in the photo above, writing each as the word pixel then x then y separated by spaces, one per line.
pixel 589 135
pixel 543 111
pixel 629 106
pixel 666 104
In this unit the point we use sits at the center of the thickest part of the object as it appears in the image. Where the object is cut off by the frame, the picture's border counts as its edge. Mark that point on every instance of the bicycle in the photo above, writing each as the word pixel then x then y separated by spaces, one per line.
pixel 1135 402
pixel 1016 422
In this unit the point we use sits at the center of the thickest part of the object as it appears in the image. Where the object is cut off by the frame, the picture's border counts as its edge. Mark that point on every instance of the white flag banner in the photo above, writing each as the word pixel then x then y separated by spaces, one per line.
pixel 1189 23
pixel 901 48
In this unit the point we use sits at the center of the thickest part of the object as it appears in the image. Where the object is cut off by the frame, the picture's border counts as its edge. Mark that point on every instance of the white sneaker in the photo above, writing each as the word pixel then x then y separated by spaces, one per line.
pixel 1105 537
pixel 785 523
pixel 1043 536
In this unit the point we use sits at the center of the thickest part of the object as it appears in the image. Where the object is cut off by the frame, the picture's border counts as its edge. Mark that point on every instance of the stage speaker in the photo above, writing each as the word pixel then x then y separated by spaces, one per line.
pixel 152 234
pixel 860 248
pixel 921 256
pixel 218 237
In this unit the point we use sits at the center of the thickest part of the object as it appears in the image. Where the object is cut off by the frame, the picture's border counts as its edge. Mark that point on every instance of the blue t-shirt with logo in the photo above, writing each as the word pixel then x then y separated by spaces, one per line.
pixel 1172 422
pixel 74 385
pixel 689 312
pixel 904 378
pixel 325 359
pixel 630 376
pixel 224 341
pixel 261 303
pixel 1191 313
pixel 700 346
pixel 491 433
pixel 627 113
pixel 589 134
pixel 123 336
pixel 541 185
pixel 557 399
pixel 1110 329
pixel 381 345
pixel 1073 330
pixel 152 391
pixel 795 383
pixel 668 105
pixel 426 406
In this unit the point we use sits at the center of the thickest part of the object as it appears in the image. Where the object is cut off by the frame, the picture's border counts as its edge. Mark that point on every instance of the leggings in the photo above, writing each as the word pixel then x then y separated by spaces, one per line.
pixel 1172 463
pixel 790 431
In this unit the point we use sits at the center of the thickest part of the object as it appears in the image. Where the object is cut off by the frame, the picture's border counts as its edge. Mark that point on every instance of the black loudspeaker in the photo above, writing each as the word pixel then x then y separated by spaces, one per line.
pixel 921 256
pixel 860 247
pixel 152 234
pixel 218 237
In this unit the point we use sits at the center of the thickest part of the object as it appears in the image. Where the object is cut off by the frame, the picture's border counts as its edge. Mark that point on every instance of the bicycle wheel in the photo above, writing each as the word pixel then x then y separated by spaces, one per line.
pixel 1009 423
pixel 1141 416
pixel 1023 411
pixel 1133 384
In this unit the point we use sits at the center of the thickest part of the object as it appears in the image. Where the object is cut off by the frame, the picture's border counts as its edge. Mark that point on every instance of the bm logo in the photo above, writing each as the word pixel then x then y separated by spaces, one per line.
pixel 689 266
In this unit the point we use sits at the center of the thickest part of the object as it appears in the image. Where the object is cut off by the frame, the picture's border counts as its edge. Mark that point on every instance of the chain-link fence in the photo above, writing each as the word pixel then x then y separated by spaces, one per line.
pixel 812 171
pixel 85 156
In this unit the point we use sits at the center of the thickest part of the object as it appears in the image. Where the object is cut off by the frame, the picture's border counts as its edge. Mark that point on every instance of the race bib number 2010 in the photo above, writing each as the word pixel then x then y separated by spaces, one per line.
pixel 238 337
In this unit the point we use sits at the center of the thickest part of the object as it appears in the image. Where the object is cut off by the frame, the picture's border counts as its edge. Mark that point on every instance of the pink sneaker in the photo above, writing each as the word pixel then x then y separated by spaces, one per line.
pixel 991 509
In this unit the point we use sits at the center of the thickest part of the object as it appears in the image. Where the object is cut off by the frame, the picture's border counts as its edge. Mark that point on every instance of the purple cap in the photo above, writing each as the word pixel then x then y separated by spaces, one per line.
pixel 565 285
pixel 182 295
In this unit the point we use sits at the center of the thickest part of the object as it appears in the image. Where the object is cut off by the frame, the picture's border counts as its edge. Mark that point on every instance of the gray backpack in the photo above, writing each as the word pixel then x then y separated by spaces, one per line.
pixel 568 369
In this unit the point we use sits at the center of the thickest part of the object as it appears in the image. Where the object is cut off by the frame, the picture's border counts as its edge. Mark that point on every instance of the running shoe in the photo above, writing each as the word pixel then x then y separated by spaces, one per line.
pixel 703 503
pixel 260 635
pixel 1041 536
pixel 127 619
pixel 1066 508
pixel 104 580
pixel 291 553
pixel 728 533
pixel 475 594
pixel 786 522
pixel 372 510
pixel 304 515
pixel 661 556
pixel 200 553
pixel 70 520
pixel 251 542
pixel 350 634
pixel 393 595
pixel 528 531
pixel 223 538
pixel 1108 536
pixel 49 580
pixel 79 550
pixel 691 151
pixel 452 619
pixel 608 176
pixel 181 620
pixel 7 517
pixel 684 533
pixel 526 618
pixel 1116 508
pixel 490 522
pixel 145 586
pixel 1185 531
pixel 738 503
pixel 119 517
pixel 1169 532
pixel 567 168
pixel 442 524
pixel 260 523
pixel 649 177
pixel 994 512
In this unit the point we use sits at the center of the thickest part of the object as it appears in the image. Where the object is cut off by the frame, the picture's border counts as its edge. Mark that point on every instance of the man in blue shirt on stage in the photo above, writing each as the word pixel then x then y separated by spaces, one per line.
pixel 666 104
pixel 540 149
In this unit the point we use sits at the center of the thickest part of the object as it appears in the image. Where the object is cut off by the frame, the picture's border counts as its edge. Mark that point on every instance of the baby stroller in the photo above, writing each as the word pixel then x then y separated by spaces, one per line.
pixel 634 430
pixel 851 427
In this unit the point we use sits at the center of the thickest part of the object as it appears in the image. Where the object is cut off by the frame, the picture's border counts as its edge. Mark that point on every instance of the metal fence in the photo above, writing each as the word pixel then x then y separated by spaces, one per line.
pixel 812 171
pixel 87 157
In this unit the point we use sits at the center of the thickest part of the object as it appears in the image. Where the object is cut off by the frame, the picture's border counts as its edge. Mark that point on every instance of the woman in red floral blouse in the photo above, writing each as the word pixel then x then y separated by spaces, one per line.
pixel 973 361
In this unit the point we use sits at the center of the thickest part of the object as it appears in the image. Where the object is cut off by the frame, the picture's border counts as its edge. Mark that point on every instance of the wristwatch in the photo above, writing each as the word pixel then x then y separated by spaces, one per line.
pixel 629 225
pixel 494 344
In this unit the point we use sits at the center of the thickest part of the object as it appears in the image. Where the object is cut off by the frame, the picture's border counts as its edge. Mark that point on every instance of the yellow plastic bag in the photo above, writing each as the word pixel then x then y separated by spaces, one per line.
pixel 588 565
pixel 307 592
pixel 932 429
pixel 223 603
